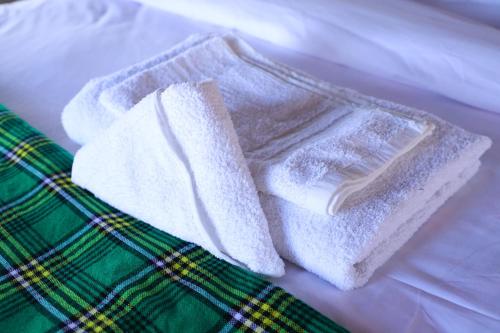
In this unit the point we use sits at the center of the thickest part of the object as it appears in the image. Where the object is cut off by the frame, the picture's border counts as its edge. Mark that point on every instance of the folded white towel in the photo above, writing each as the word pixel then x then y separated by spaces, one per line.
pixel 276 109
pixel 347 248
pixel 174 161
pixel 304 144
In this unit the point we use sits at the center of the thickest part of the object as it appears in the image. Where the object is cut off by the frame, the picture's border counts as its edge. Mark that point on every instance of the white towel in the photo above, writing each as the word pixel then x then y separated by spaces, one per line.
pixel 174 161
pixel 275 108
pixel 304 143
pixel 321 172
pixel 371 226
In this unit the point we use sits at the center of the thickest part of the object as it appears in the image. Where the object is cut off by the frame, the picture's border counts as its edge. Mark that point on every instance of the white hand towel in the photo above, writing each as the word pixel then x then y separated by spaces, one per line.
pixel 304 142
pixel 372 225
pixel 174 161
pixel 321 172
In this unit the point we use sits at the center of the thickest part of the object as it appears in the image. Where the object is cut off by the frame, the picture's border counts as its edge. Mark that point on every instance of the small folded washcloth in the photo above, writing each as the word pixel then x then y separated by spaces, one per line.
pixel 321 172
pixel 174 161
pixel 302 145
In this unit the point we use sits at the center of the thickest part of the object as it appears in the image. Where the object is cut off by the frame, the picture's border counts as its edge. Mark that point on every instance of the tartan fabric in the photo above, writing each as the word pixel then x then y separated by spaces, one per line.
pixel 69 262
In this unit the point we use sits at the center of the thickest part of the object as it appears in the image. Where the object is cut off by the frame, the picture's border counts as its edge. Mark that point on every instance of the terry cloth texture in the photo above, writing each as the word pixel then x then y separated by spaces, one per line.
pixel 286 125
pixel 70 262
pixel 372 225
pixel 275 108
pixel 174 161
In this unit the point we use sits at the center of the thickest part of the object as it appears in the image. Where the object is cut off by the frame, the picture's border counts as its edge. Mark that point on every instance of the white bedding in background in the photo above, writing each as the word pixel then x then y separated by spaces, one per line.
pixel 402 40
pixel 485 11
pixel 446 279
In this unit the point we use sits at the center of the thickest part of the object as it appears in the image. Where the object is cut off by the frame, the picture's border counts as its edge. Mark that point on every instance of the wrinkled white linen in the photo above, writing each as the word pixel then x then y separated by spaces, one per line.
pixel 484 11
pixel 401 40
pixel 444 280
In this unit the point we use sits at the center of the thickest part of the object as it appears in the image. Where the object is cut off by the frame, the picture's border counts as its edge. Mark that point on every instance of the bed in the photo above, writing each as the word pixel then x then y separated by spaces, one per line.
pixel 445 279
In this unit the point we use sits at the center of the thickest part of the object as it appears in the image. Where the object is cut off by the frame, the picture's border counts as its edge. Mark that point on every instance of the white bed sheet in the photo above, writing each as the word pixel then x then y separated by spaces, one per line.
pixel 412 43
pixel 446 279
pixel 485 11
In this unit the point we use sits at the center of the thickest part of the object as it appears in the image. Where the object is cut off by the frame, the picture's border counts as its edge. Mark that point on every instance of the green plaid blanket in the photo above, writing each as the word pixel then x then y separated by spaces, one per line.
pixel 69 262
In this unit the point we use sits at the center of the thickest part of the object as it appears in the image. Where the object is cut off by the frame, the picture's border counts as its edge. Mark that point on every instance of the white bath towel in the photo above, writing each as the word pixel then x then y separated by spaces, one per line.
pixel 174 161
pixel 274 109
pixel 347 248
pixel 304 144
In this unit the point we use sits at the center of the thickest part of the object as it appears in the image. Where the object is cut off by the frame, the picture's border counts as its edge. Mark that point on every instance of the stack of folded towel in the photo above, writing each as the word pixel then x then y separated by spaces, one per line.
pixel 344 179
